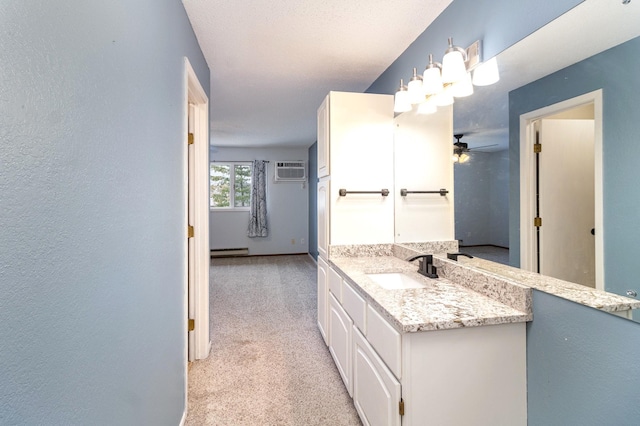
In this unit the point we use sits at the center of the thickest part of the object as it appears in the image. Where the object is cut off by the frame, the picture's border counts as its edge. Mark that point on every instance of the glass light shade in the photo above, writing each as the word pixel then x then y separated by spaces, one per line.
pixel 486 73
pixel 463 87
pixel 453 67
pixel 444 98
pixel 427 107
pixel 416 93
pixel 455 158
pixel 402 101
pixel 463 158
pixel 432 81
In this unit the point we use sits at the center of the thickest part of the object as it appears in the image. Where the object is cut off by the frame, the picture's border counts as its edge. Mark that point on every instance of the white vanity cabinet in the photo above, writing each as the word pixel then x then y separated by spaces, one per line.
pixel 455 376
pixel 340 340
pixel 323 299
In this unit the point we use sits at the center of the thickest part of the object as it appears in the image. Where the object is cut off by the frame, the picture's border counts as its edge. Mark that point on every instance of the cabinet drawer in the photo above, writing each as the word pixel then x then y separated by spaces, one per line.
pixel 355 306
pixel 335 284
pixel 385 340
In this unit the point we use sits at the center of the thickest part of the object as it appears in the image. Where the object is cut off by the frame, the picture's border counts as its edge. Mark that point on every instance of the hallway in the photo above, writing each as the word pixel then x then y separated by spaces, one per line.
pixel 268 364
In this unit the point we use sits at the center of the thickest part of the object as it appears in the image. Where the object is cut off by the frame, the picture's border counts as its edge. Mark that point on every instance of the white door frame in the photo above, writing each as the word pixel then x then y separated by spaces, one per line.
pixel 527 180
pixel 196 99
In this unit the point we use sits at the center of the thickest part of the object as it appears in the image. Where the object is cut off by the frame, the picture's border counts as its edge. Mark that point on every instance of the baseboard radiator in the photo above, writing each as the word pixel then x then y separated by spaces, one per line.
pixel 230 252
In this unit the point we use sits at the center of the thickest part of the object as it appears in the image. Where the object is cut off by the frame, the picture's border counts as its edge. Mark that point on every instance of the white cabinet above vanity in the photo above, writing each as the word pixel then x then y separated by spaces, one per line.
pixel 355 165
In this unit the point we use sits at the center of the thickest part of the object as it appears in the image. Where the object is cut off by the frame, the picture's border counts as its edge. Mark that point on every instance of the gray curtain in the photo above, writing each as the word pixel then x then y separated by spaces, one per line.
pixel 258 205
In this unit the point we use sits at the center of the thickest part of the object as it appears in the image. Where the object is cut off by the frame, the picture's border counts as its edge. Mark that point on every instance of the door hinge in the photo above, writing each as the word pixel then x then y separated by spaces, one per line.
pixel 190 139
pixel 401 407
pixel 537 148
pixel 192 324
pixel 537 222
pixel 190 232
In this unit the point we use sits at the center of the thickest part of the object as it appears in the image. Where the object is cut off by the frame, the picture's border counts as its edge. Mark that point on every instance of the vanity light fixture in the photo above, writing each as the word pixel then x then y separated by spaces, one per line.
pixel 432 77
pixel 486 73
pixel 402 101
pixel 462 88
pixel 427 107
pixel 416 93
pixel 454 68
pixel 461 69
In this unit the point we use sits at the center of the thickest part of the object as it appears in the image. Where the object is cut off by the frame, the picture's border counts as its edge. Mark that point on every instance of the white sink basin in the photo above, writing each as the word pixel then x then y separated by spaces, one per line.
pixel 396 281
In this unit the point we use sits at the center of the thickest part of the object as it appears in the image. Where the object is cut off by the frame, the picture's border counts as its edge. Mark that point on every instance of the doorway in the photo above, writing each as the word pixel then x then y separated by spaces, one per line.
pixel 196 226
pixel 561 190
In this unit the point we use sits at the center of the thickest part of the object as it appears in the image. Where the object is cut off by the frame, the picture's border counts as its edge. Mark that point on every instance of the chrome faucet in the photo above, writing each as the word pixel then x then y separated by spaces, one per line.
pixel 426 267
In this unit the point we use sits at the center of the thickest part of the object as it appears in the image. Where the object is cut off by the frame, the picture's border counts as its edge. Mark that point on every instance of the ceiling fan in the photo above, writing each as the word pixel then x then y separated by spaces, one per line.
pixel 461 148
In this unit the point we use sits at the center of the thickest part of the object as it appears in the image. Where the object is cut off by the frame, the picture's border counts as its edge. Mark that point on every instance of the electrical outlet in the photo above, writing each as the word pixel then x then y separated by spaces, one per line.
pixel 301 241
pixel 293 241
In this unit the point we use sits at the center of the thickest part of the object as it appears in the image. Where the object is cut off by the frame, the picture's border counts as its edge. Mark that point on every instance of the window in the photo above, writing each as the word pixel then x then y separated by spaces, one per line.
pixel 230 185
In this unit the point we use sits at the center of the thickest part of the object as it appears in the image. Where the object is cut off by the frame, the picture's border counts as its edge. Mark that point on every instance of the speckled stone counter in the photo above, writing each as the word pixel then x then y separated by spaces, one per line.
pixel 442 304
pixel 586 296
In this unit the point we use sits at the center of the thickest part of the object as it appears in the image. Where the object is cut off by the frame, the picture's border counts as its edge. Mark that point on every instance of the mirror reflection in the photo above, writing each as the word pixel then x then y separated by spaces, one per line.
pixel 486 183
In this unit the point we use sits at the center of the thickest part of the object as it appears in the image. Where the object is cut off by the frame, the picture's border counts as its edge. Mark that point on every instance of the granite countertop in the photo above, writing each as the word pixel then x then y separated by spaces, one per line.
pixel 608 302
pixel 442 304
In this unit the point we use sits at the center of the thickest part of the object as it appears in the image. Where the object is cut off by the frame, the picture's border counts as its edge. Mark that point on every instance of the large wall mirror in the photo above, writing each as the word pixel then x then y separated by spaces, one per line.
pixel 598 36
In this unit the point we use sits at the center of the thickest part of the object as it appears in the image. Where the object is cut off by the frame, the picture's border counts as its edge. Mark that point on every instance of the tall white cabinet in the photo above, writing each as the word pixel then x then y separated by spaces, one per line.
pixel 355 153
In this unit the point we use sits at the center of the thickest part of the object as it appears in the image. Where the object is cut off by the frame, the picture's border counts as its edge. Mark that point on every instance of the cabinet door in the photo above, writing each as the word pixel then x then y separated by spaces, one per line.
pixel 376 392
pixel 323 138
pixel 323 218
pixel 323 302
pixel 361 139
pixel 340 344
pixel 335 284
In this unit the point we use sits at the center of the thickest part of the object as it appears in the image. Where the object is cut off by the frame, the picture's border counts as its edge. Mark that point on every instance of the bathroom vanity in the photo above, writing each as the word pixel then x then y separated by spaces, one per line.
pixel 415 350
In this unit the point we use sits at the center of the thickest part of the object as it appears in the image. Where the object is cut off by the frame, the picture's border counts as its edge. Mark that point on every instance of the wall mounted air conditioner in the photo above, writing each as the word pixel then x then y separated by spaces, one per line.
pixel 291 171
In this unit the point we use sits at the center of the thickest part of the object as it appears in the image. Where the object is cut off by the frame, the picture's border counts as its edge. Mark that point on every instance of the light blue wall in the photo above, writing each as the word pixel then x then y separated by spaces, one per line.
pixel 578 358
pixel 92 239
pixel 582 365
pixel 482 199
pixel 615 71
pixel 287 208
pixel 498 23
pixel 313 200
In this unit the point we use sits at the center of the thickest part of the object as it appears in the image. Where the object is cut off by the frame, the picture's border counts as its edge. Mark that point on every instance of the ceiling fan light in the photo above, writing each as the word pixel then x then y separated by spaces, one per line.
pixel 463 158
pixel 402 102
pixel 453 66
pixel 486 73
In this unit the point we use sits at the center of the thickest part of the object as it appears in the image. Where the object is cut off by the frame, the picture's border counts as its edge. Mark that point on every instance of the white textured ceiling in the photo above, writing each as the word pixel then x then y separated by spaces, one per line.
pixel 273 61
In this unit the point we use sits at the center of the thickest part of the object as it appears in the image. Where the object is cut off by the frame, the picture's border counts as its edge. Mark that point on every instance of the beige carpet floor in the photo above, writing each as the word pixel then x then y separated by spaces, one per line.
pixel 268 364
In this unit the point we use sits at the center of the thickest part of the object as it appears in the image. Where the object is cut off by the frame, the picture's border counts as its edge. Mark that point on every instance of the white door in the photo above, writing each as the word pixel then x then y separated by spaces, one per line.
pixel 567 204
pixel 191 288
